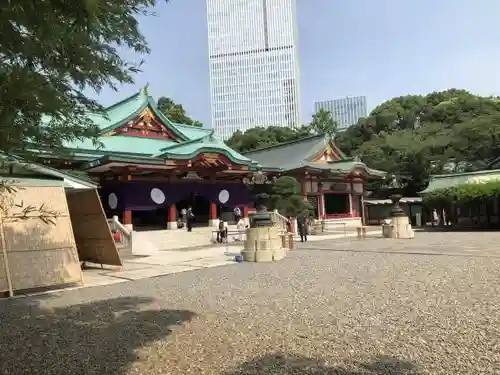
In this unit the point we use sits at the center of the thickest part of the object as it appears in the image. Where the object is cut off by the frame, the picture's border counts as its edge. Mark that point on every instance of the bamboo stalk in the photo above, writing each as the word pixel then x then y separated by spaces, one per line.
pixel 6 259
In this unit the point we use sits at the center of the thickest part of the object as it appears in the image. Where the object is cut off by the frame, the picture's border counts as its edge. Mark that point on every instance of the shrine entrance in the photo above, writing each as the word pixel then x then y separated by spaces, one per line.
pixel 200 207
pixel 337 205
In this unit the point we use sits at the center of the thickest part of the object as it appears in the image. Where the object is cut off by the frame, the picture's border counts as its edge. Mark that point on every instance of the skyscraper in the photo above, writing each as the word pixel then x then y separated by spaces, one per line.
pixel 346 111
pixel 254 68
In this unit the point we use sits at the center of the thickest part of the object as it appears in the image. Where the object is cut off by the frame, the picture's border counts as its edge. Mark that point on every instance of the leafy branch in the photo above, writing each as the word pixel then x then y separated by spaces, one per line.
pixel 7 202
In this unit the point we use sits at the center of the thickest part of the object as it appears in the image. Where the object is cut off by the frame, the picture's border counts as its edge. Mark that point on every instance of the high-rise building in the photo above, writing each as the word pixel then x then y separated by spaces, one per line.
pixel 254 67
pixel 346 111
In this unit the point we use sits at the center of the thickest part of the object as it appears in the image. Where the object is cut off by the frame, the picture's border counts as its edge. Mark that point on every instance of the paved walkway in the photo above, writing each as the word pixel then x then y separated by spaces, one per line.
pixel 175 261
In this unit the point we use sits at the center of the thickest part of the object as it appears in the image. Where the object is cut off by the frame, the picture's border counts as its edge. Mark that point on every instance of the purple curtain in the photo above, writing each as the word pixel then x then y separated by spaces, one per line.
pixel 149 196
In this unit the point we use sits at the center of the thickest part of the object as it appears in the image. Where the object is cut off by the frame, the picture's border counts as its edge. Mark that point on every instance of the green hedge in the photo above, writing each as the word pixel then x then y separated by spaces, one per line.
pixel 464 193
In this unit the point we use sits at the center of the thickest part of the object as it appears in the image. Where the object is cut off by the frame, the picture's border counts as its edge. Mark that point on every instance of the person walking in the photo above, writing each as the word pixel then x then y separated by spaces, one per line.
pixel 189 219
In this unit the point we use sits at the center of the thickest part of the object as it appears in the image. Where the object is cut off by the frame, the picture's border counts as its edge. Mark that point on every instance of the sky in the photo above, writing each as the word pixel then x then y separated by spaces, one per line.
pixel 376 48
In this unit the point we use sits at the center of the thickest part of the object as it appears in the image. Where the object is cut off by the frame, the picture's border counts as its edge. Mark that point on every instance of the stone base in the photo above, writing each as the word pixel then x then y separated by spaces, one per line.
pixel 399 227
pixel 129 227
pixel 172 225
pixel 213 223
pixel 263 244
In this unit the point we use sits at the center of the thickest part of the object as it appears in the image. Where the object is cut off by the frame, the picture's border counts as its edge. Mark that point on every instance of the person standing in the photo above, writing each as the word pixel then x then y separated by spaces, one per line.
pixel 184 215
pixel 189 219
pixel 237 214
pixel 435 218
pixel 302 227
pixel 222 231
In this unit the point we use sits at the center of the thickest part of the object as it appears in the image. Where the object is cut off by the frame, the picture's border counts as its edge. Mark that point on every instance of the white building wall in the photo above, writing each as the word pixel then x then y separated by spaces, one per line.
pixel 253 62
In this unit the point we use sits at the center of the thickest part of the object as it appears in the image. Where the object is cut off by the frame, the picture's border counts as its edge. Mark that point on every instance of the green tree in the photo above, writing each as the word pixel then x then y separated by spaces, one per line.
pixel 51 53
pixel 419 135
pixel 259 137
pixel 176 112
pixel 323 123
pixel 287 198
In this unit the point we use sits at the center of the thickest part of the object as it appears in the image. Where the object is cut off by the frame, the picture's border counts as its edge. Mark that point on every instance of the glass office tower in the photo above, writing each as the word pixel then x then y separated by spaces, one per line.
pixel 345 111
pixel 254 68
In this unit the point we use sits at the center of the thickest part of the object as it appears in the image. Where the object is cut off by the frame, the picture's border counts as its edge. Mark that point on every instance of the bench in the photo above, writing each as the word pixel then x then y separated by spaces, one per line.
pixel 361 231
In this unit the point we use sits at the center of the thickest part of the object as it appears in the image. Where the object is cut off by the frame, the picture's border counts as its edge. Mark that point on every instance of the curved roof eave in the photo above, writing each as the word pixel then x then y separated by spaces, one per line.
pixel 207 149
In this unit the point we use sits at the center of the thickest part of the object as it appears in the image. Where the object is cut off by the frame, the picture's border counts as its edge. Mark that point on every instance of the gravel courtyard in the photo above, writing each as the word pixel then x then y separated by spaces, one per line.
pixel 425 306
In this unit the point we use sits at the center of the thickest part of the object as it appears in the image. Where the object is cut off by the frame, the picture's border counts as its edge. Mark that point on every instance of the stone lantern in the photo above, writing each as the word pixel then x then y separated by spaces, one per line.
pixel 263 242
pixel 398 225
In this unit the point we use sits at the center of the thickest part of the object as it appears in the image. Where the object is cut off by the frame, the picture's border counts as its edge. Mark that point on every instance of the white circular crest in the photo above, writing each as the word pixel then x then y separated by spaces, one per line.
pixel 112 201
pixel 223 196
pixel 157 196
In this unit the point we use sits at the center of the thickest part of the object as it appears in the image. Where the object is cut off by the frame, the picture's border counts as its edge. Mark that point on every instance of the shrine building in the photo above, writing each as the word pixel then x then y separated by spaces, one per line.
pixel 149 169
pixel 334 184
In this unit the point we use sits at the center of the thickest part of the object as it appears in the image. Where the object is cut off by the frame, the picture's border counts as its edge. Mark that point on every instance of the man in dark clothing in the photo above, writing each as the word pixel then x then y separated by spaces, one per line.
pixel 222 231
pixel 302 224
pixel 189 219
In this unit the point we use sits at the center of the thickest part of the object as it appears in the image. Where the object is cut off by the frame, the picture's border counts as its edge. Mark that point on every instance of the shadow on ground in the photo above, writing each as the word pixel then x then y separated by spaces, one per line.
pixel 92 338
pixel 493 228
pixel 289 364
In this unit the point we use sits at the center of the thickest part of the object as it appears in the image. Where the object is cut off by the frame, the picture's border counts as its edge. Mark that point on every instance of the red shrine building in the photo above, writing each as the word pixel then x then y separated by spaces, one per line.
pixel 334 184
pixel 149 169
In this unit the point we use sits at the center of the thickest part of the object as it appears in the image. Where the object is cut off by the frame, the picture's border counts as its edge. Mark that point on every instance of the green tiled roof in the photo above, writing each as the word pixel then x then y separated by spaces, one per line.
pixel 190 140
pixel 289 155
pixel 299 154
pixel 449 180
pixel 345 166
pixel 207 143
pixel 120 113
pixel 192 132
pixel 122 144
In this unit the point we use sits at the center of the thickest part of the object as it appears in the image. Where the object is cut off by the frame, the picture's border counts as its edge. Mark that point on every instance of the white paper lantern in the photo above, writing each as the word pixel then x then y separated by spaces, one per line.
pixel 112 201
pixel 157 196
pixel 223 196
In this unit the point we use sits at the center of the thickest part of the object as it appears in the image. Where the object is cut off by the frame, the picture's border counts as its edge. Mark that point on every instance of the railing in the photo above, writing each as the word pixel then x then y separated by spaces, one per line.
pixel 346 215
pixel 121 235
pixel 280 220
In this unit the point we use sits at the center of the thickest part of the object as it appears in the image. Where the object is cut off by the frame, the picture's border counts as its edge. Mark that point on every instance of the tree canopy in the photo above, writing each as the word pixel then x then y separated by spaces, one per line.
pixel 463 194
pixel 258 137
pixel 419 135
pixel 412 136
pixel 176 112
pixel 287 198
pixel 323 122
pixel 51 53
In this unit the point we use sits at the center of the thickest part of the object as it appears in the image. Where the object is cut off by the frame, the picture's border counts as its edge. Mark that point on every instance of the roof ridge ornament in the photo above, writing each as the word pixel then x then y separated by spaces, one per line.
pixel 210 136
pixel 145 90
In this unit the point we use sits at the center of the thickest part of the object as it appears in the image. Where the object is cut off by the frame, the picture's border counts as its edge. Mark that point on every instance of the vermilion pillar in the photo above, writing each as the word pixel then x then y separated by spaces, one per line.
pixel 245 212
pixel 172 213
pixel 127 217
pixel 321 205
pixel 213 211
pixel 172 216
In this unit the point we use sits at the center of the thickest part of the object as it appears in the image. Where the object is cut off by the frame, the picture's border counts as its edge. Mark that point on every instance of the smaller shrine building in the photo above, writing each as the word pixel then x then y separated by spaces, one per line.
pixel 334 184
pixel 149 169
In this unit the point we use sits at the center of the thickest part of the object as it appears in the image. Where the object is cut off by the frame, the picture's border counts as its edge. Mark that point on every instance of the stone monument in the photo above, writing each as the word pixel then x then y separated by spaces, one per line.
pixel 398 225
pixel 263 242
